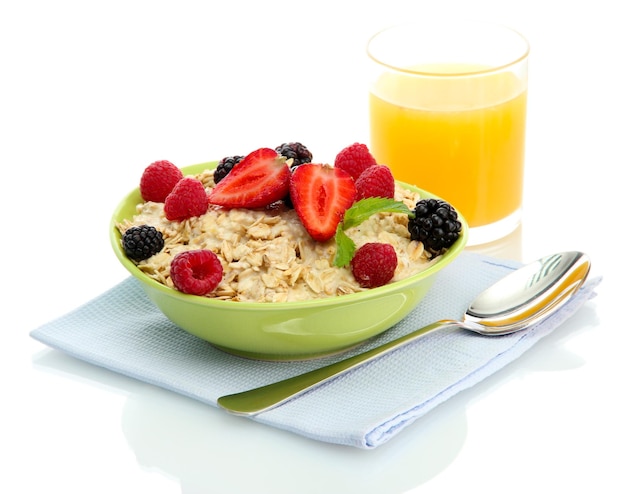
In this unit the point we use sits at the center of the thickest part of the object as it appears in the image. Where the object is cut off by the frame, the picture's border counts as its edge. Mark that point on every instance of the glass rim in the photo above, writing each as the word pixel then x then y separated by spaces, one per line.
pixel 524 53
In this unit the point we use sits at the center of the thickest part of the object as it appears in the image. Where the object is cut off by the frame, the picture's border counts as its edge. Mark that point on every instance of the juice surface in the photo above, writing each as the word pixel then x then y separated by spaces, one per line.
pixel 461 138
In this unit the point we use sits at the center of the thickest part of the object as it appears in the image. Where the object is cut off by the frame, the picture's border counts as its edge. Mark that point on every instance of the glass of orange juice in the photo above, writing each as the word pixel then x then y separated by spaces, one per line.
pixel 448 114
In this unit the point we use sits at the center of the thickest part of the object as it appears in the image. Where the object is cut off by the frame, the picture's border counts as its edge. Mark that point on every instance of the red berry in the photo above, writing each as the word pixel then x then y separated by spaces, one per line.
pixel 354 159
pixel 188 199
pixel 374 264
pixel 375 181
pixel 320 195
pixel 196 272
pixel 158 180
pixel 258 180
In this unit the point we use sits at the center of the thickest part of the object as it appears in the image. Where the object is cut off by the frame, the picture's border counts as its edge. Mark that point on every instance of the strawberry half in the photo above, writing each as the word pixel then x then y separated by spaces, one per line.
pixel 258 180
pixel 321 194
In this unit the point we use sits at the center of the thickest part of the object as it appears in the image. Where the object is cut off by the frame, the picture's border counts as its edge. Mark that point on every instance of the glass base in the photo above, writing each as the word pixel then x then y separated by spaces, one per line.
pixel 479 235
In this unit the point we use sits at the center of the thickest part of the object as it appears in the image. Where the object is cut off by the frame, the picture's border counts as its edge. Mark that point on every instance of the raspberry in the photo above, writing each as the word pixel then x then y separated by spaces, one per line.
pixel 142 242
pixel 196 272
pixel 225 166
pixel 374 264
pixel 158 180
pixel 435 225
pixel 354 159
pixel 375 181
pixel 296 151
pixel 188 199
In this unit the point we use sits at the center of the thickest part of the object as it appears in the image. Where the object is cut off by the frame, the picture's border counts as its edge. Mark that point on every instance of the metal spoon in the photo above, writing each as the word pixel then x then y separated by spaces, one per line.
pixel 519 300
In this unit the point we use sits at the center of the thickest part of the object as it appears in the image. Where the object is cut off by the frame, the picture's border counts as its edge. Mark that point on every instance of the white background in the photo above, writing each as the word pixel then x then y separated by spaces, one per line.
pixel 92 92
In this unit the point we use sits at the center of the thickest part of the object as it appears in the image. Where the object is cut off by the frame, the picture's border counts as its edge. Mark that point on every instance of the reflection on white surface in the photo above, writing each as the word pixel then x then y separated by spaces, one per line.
pixel 192 442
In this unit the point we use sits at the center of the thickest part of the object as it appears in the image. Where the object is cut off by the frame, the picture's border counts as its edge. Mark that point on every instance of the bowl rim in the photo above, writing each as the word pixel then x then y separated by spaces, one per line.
pixel 135 196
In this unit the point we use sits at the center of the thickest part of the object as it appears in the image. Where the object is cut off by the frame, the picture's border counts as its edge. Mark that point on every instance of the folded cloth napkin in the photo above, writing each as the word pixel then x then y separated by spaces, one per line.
pixel 123 331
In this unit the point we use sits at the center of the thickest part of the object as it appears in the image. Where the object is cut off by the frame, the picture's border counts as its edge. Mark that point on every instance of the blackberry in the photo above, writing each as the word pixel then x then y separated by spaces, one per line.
pixel 142 242
pixel 225 166
pixel 435 225
pixel 296 151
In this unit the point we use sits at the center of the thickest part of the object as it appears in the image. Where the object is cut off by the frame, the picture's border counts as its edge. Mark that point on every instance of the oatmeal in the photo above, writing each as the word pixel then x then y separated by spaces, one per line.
pixel 267 255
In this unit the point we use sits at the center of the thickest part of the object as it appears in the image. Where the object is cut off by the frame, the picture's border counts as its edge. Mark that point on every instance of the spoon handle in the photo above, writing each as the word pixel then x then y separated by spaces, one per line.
pixel 267 397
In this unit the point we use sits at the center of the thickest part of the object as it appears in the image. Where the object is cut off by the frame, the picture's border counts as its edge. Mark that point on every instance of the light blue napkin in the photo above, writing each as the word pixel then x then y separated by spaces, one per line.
pixel 123 331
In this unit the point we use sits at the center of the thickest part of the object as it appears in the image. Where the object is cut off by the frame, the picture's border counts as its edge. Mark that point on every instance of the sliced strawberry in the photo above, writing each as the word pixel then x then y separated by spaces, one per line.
pixel 321 194
pixel 258 180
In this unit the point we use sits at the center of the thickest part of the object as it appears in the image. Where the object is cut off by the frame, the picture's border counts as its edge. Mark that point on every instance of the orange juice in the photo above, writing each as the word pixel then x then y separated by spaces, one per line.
pixel 460 137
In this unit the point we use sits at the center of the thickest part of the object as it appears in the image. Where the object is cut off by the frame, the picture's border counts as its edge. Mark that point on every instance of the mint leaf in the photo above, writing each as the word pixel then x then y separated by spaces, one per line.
pixel 345 248
pixel 357 214
pixel 365 208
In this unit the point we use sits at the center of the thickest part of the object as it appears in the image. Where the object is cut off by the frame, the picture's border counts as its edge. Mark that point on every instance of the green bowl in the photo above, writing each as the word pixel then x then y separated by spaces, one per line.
pixel 287 330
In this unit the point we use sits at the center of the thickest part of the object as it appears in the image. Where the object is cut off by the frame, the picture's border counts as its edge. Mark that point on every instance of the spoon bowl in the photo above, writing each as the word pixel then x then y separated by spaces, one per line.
pixel 518 301
pixel 527 295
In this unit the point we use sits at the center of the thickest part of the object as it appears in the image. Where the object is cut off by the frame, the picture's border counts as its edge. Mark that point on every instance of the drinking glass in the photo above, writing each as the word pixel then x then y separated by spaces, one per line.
pixel 448 114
